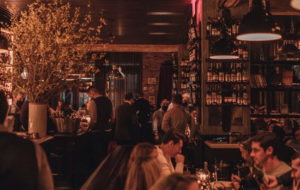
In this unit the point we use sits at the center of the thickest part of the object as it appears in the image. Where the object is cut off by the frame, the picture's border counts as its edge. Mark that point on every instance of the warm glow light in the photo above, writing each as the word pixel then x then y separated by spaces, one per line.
pixel 163 13
pixel 295 4
pixel 3 51
pixel 224 57
pixel 253 37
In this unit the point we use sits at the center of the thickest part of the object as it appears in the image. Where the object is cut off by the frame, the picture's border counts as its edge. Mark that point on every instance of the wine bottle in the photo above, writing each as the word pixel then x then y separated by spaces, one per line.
pixel 208 96
pixel 238 73
pixel 234 95
pixel 209 72
pixel 221 73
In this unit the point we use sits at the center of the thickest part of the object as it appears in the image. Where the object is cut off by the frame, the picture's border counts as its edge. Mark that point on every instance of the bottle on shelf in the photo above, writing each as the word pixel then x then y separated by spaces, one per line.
pixel 245 95
pixel 234 95
pixel 233 73
pixel 208 96
pixel 221 73
pixel 227 72
pixel 219 100
pixel 238 72
pixel 213 95
pixel 239 95
pixel 215 76
pixel 209 72
pixel 245 77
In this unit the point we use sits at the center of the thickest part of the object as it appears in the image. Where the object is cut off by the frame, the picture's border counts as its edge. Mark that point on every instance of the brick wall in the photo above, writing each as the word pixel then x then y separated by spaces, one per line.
pixel 151 69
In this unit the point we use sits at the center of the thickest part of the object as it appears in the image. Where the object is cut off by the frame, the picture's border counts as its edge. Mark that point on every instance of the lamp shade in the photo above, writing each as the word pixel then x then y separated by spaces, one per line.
pixel 295 4
pixel 223 49
pixel 257 25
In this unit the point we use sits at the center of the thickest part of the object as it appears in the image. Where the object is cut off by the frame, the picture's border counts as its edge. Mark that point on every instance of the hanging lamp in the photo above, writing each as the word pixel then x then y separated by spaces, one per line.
pixel 257 24
pixel 224 49
pixel 295 4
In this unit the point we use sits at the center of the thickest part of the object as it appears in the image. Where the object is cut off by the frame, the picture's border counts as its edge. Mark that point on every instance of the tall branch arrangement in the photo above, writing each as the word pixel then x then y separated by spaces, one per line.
pixel 50 42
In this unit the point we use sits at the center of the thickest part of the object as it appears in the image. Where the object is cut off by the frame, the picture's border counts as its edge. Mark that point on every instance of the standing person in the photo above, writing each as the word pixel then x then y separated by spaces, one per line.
pixel 143 169
pixel 171 147
pixel 23 164
pixel 176 118
pixel 157 119
pixel 142 109
pixel 15 109
pixel 127 129
pixel 264 151
pixel 100 110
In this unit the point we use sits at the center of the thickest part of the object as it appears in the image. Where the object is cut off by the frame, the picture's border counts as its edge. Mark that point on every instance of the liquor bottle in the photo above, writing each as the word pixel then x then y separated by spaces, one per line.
pixel 221 73
pixel 206 171
pixel 219 95
pixel 234 95
pixel 208 96
pixel 227 72
pixel 233 72
pixel 245 95
pixel 209 72
pixel 208 27
pixel 215 74
pixel 239 95
pixel 238 72
pixel 213 96
pixel 244 73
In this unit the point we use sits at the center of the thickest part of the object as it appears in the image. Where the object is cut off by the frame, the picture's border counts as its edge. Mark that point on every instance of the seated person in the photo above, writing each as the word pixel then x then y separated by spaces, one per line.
pixel 143 169
pixel 176 182
pixel 23 164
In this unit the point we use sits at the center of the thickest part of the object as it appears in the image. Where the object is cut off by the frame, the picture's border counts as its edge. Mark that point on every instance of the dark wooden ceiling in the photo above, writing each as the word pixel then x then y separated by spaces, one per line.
pixel 135 21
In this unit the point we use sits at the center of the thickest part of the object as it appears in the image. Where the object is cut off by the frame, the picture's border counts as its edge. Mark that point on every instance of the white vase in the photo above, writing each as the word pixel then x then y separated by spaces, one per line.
pixel 37 121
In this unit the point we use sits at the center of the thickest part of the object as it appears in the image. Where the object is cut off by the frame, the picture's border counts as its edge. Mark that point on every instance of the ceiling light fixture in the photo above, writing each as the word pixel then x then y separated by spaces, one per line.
pixel 224 48
pixel 257 24
pixel 295 4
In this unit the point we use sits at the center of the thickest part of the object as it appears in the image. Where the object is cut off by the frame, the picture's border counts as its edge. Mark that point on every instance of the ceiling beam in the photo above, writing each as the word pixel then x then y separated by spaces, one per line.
pixel 134 48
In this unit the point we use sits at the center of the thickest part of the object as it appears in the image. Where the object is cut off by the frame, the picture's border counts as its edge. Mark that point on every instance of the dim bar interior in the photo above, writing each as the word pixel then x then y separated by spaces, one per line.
pixel 150 95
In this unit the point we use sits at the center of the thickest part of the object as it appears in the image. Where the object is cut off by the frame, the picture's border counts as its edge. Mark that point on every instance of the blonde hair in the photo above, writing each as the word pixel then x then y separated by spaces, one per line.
pixel 174 181
pixel 143 170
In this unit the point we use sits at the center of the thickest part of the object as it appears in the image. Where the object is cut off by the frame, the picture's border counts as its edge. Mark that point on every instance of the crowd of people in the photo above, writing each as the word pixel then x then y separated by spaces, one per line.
pixel 147 152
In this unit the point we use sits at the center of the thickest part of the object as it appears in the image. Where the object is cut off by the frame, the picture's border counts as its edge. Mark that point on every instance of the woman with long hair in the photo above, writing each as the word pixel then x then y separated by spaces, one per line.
pixel 176 181
pixel 143 169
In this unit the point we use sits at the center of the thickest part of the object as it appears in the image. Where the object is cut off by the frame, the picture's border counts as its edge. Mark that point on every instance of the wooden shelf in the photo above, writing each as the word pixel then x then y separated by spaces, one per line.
pixel 227 60
pixel 230 83
pixel 278 88
pixel 275 115
pixel 276 63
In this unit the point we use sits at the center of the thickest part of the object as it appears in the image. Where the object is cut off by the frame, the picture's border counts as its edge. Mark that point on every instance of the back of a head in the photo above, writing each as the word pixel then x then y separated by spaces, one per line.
pixel 3 107
pixel 172 135
pixel 128 96
pixel 177 99
pixel 93 89
pixel 141 152
pixel 268 139
pixel 174 181
pixel 247 144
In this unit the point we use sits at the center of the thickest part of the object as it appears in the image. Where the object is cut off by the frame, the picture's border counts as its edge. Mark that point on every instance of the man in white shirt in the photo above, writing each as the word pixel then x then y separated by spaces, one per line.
pixel 170 147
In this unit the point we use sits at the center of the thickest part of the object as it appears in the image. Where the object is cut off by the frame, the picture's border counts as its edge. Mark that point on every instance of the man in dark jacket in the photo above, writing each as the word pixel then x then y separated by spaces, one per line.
pixel 127 130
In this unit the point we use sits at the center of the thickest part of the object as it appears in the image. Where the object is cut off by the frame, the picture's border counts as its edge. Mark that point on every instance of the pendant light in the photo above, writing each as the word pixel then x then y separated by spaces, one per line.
pixel 224 48
pixel 257 24
pixel 295 4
